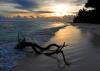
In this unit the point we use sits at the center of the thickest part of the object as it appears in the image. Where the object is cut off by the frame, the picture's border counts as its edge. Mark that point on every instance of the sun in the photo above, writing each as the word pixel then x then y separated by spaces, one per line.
pixel 60 9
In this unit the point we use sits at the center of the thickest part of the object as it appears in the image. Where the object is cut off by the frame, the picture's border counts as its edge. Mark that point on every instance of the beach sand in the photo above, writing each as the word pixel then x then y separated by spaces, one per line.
pixel 84 56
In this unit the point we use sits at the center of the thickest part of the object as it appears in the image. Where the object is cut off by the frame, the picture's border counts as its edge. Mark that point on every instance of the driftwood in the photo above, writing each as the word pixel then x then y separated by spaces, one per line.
pixel 40 50
pixel 57 51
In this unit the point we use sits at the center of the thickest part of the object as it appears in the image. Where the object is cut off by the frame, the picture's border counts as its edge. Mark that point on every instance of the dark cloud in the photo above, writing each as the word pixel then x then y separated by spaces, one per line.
pixel 26 4
pixel 23 4
pixel 6 0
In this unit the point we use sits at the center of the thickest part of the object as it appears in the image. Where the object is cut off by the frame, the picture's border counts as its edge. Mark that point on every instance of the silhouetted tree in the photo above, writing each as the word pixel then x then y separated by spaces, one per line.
pixel 90 16
pixel 92 3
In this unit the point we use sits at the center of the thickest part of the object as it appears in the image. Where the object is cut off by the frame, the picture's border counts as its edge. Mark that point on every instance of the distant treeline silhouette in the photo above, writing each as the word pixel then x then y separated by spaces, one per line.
pixel 89 16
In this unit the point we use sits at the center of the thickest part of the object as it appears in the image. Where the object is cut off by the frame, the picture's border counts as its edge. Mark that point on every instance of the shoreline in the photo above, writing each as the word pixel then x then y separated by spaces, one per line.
pixel 83 58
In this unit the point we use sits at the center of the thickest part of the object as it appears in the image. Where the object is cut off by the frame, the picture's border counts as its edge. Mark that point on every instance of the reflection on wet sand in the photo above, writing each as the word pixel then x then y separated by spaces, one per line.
pixel 96 40
pixel 69 34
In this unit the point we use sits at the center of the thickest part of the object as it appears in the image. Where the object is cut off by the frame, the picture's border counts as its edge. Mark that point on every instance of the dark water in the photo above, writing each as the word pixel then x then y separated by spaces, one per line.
pixel 77 36
pixel 31 30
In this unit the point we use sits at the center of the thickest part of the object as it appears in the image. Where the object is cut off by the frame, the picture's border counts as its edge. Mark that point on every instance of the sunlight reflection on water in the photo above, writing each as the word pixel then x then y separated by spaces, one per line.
pixel 52 24
pixel 56 24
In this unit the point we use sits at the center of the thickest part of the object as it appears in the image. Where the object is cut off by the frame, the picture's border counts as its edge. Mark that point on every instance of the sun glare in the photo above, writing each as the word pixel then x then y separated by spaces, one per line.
pixel 60 9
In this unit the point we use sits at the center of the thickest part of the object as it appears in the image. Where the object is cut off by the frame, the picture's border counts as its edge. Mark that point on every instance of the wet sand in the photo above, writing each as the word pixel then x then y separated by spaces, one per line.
pixel 84 55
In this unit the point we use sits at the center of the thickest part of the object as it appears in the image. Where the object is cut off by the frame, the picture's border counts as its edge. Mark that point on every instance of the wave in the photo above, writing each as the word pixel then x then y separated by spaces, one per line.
pixel 8 58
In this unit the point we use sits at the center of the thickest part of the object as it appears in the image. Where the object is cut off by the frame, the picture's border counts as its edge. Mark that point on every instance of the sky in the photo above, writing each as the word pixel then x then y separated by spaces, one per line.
pixel 7 6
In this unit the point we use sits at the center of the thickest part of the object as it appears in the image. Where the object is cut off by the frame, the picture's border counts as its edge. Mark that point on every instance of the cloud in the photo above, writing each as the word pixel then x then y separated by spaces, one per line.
pixel 20 4
pixel 26 4
pixel 6 1
pixel 9 7
pixel 43 12
pixel 78 2
pixel 32 5
pixel 52 2
pixel 75 2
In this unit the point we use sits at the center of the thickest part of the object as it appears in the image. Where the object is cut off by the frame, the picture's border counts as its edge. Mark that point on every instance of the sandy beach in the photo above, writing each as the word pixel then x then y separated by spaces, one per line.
pixel 84 52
